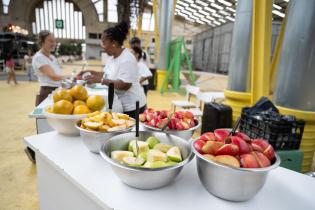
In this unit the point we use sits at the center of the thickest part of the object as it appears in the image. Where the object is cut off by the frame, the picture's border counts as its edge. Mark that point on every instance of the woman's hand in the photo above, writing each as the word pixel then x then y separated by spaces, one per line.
pixel 93 79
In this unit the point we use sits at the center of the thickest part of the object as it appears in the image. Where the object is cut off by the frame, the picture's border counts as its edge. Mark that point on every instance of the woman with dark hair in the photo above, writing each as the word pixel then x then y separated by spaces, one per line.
pixel 121 70
pixel 136 42
pixel 144 72
pixel 46 66
pixel 9 66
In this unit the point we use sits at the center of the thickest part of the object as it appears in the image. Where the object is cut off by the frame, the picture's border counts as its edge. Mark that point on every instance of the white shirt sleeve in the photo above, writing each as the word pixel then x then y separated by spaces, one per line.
pixel 128 72
pixel 40 61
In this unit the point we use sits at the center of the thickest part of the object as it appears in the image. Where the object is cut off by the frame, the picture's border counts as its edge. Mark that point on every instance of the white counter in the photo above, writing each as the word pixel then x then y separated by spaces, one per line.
pixel 70 177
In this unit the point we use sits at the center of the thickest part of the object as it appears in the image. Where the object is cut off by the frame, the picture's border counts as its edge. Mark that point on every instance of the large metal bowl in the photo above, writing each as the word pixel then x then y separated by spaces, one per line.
pixel 64 124
pixel 233 184
pixel 145 178
pixel 94 140
pixel 184 134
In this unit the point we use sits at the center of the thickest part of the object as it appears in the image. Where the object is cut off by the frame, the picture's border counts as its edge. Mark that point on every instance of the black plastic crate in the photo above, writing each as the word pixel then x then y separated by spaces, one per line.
pixel 282 135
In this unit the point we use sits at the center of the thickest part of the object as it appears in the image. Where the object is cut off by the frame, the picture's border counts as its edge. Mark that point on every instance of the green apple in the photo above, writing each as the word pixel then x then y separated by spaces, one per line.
pixel 119 155
pixel 162 147
pixel 143 155
pixel 156 155
pixel 156 164
pixel 170 163
pixel 130 145
pixel 174 154
pixel 143 147
pixel 133 161
pixel 152 141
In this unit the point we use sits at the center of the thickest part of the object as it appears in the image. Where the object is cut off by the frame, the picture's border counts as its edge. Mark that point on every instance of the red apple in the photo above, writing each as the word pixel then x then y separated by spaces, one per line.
pixel 198 145
pixel 179 114
pixel 209 157
pixel 269 153
pixel 148 110
pixel 208 136
pixel 259 145
pixel 249 161
pixel 189 115
pixel 228 149
pixel 211 147
pixel 262 160
pixel 242 145
pixel 142 117
pixel 227 160
pixel 221 134
pixel 161 123
pixel 243 136
pixel 172 124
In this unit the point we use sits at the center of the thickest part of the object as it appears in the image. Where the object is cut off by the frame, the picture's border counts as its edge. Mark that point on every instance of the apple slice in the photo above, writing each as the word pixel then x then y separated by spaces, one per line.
pixel 174 154
pixel 228 149
pixel 242 145
pixel 133 161
pixel 143 147
pixel 259 145
pixel 262 160
pixel 212 147
pixel 227 160
pixel 156 164
pixel 249 161
pixel 209 157
pixel 269 153
pixel 152 141
pixel 198 145
pixel 162 147
pixel 221 134
pixel 119 155
pixel 208 136
pixel 156 155
pixel 243 136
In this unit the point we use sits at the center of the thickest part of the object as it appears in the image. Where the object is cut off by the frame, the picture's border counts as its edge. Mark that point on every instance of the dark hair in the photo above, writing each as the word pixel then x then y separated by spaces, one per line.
pixel 42 36
pixel 138 50
pixel 118 33
pixel 135 40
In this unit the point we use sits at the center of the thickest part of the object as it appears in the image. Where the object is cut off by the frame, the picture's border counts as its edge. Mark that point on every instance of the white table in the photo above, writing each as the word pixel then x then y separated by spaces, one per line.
pixel 41 123
pixel 70 177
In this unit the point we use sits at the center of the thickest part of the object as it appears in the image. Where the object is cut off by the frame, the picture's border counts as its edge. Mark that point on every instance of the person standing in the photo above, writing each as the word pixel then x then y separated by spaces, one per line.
pixel 28 64
pixel 46 66
pixel 9 65
pixel 144 72
pixel 120 69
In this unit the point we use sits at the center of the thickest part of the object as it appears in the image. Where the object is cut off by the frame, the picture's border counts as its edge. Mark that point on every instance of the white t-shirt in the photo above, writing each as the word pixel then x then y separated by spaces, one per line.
pixel 125 68
pixel 40 60
pixel 144 71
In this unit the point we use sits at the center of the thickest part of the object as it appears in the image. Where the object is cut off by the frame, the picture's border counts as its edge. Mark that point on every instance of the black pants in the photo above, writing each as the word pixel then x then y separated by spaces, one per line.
pixel 145 88
pixel 43 93
pixel 133 113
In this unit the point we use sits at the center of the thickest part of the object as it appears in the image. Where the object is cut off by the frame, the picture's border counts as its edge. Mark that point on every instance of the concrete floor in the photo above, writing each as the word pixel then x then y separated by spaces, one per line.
pixel 18 187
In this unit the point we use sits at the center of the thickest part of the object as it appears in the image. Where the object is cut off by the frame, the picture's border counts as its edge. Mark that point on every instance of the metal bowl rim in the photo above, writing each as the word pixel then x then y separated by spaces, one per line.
pixel 141 169
pixel 166 130
pixel 265 169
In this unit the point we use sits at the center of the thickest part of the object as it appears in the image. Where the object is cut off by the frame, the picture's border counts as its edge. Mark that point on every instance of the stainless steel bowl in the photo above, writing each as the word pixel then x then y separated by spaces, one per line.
pixel 233 184
pixel 184 134
pixel 64 124
pixel 145 178
pixel 94 140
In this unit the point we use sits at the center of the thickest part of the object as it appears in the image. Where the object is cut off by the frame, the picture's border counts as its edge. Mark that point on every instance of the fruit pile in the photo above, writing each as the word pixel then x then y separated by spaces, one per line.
pixel 236 151
pixel 180 120
pixel 106 122
pixel 152 154
pixel 75 101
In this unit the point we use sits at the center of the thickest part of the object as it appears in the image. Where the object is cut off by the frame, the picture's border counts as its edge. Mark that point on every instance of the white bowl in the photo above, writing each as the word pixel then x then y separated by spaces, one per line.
pixel 64 124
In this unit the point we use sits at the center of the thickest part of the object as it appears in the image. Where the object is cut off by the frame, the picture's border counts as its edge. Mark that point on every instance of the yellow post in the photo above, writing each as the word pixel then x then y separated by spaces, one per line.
pixel 260 50
pixel 139 25
pixel 276 56
pixel 156 31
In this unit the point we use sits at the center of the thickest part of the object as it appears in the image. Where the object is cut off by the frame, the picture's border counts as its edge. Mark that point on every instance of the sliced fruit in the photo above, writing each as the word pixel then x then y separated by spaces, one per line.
pixel 269 153
pixel 93 125
pixel 262 160
pixel 243 136
pixel 209 157
pixel 228 149
pixel 227 160
pixel 103 128
pixel 143 155
pixel 152 141
pixel 209 136
pixel 242 145
pixel 170 163
pixel 117 128
pixel 119 155
pixel 143 147
pixel 174 154
pixel 212 147
pixel 130 145
pixel 93 114
pixel 156 164
pixel 142 117
pixel 133 161
pixel 162 147
pixel 221 134
pixel 249 161
pixel 123 116
pixel 198 145
pixel 156 155
pixel 259 145
pixel 119 121
pixel 130 123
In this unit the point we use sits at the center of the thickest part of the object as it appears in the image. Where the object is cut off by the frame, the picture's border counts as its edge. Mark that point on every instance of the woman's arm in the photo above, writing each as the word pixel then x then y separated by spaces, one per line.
pixel 118 84
pixel 142 79
pixel 48 71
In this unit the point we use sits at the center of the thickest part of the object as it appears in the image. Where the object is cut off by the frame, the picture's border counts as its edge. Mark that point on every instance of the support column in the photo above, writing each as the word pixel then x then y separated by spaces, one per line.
pixel 294 93
pixel 166 19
